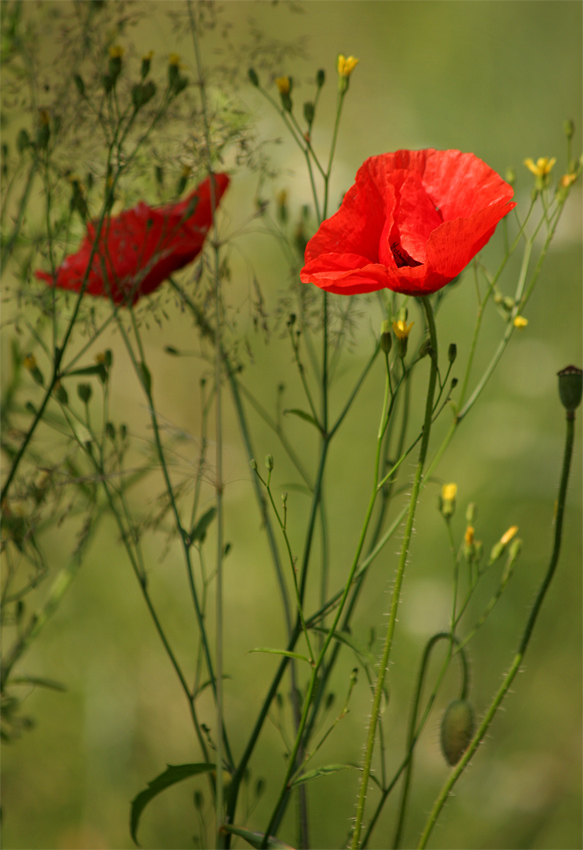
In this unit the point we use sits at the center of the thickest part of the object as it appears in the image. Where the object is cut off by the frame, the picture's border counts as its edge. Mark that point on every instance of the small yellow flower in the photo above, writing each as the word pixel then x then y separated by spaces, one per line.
pixel 147 57
pixel 520 322
pixel 508 535
pixel 567 180
pixel 541 167
pixel 449 492
pixel 346 65
pixel 29 362
pixel 100 358
pixel 283 84
pixel 469 535
pixel 401 329
pixel 174 59
pixel 116 51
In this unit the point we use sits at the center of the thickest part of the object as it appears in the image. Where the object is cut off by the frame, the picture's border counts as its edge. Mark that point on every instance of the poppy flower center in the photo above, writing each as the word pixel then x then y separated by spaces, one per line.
pixel 402 258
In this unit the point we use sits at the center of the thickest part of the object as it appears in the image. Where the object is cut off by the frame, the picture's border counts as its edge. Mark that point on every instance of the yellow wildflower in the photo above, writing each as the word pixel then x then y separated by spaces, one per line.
pixel 401 329
pixel 174 59
pixel 346 65
pixel 541 167
pixel 147 57
pixel 29 362
pixel 520 322
pixel 567 180
pixel 116 51
pixel 469 535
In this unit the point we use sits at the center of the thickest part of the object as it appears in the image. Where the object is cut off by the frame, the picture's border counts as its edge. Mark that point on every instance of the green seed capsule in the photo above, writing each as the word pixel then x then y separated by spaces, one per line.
pixel 457 728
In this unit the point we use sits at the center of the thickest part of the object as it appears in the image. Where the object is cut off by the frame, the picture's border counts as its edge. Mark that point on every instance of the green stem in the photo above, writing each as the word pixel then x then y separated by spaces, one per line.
pixel 314 678
pixel 522 647
pixel 398 579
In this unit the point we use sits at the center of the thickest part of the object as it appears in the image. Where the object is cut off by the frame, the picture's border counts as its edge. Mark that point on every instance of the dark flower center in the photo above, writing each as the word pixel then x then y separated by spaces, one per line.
pixel 402 258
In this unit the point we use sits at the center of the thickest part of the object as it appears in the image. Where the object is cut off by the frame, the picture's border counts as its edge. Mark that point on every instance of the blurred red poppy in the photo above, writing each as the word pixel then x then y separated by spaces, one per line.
pixel 411 222
pixel 140 247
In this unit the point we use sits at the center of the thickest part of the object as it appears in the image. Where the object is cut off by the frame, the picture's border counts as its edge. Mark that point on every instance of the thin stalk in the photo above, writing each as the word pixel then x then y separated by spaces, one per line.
pixel 314 678
pixel 522 647
pixel 399 577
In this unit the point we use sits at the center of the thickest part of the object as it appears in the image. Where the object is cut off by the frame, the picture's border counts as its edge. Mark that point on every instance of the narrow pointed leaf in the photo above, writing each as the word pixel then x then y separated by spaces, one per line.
pixel 172 775
pixel 320 771
pixel 362 653
pixel 255 839
pixel 38 680
pixel 200 529
pixel 280 652
pixel 303 415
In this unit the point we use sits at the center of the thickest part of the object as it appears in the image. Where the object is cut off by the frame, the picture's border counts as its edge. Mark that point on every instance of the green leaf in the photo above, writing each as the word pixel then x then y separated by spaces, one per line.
pixel 38 680
pixel 320 771
pixel 172 775
pixel 200 529
pixel 281 652
pixel 146 378
pixel 98 369
pixel 255 839
pixel 303 415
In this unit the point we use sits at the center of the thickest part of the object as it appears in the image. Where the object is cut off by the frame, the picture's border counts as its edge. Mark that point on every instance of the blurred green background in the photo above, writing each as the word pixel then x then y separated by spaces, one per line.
pixel 497 79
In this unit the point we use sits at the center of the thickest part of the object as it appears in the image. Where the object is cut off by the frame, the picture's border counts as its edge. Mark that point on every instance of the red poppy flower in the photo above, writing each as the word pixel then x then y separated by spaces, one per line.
pixel 139 248
pixel 411 222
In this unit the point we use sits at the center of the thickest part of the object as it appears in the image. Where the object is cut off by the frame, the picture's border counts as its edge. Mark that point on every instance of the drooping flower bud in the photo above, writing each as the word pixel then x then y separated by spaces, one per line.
pixel 457 728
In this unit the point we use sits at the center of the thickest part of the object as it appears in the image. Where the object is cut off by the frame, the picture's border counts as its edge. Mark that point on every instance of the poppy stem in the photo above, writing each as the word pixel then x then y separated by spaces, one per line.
pixel 399 578
pixel 522 647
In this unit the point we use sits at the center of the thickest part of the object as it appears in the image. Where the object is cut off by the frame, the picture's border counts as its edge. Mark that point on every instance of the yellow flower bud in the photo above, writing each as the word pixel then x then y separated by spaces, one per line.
pixel 29 362
pixel 508 535
pixel 469 535
pixel 283 84
pixel 520 322
pixel 174 59
pixel 449 492
pixel 346 65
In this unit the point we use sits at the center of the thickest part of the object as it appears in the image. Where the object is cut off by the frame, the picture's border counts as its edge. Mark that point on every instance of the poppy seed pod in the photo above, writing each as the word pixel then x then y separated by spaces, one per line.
pixel 570 388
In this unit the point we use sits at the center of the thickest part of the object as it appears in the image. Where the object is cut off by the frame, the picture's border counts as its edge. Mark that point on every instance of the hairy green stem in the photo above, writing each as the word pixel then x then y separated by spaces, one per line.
pixel 522 647
pixel 398 579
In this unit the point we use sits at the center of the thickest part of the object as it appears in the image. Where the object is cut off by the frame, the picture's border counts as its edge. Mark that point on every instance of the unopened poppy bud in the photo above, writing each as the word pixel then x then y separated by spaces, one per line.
pixel 447 500
pixel 452 352
pixel 568 128
pixel 84 392
pixel 457 728
pixel 320 77
pixel 454 383
pixel 309 112
pixel 146 63
pixel 386 339
pixel 269 462
pixel 253 78
pixel 22 141
pixel 78 80
pixel 570 388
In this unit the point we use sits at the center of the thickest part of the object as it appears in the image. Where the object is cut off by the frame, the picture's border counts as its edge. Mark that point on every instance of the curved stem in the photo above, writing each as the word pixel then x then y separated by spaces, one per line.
pixel 522 647
pixel 398 579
